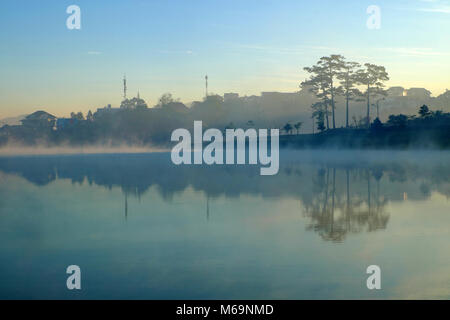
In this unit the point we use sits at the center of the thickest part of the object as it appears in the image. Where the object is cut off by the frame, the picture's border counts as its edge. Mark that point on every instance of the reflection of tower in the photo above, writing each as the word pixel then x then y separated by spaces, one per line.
pixel 206 83
pixel 126 205
pixel 124 87
pixel 207 207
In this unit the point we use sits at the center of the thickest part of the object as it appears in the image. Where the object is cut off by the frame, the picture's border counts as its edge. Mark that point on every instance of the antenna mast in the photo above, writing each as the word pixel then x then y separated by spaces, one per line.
pixel 206 80
pixel 124 87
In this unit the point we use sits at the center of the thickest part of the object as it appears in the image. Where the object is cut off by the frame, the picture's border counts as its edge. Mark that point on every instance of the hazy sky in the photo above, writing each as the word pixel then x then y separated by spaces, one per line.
pixel 169 46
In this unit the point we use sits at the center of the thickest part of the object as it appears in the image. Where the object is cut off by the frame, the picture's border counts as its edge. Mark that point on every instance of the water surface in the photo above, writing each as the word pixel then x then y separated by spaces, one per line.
pixel 142 228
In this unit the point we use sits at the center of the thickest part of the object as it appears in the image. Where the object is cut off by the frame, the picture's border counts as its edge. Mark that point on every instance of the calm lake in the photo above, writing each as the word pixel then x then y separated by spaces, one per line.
pixel 140 227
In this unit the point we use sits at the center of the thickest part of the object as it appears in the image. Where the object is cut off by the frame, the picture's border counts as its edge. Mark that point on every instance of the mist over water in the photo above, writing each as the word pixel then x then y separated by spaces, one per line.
pixel 141 227
pixel 14 150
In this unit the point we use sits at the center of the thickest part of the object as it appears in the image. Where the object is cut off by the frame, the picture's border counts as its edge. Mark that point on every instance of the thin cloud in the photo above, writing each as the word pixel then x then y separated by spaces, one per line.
pixel 436 10
pixel 437 6
pixel 414 52
pixel 188 52
pixel 288 50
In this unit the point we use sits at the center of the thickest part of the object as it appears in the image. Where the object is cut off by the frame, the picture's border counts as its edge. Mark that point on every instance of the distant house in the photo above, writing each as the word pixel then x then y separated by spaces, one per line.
pixel 278 96
pixel 418 93
pixel 230 97
pixel 104 111
pixel 396 91
pixel 176 107
pixel 64 123
pixel 39 120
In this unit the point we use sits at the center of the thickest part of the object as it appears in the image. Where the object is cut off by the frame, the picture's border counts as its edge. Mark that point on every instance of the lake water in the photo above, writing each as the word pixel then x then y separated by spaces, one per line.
pixel 141 228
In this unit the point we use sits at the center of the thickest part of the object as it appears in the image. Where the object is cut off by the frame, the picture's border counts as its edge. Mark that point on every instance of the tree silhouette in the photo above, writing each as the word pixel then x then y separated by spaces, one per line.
pixel 297 126
pixel 424 111
pixel 319 86
pixel 332 67
pixel 398 120
pixel 348 82
pixel 165 99
pixel 90 116
pixel 372 76
pixel 320 121
pixel 287 128
pixel 376 125
pixel 78 115
pixel 322 81
pixel 320 112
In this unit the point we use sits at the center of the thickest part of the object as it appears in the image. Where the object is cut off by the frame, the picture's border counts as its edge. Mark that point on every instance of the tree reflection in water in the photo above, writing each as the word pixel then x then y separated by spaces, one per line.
pixel 335 212
pixel 339 197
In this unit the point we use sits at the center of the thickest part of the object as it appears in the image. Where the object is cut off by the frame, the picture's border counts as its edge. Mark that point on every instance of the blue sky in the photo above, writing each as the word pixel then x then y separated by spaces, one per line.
pixel 168 46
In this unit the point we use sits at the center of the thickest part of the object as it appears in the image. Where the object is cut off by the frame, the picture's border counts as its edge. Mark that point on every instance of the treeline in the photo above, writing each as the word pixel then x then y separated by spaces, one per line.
pixel 429 129
pixel 139 127
pixel 128 125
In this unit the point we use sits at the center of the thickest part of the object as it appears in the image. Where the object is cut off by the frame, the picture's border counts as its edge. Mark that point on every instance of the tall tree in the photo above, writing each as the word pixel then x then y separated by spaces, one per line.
pixel 348 84
pixel 372 77
pixel 332 67
pixel 323 81
pixel 318 84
